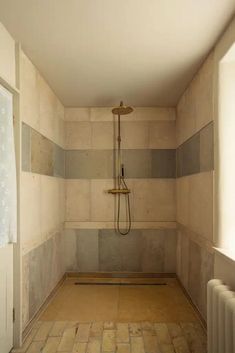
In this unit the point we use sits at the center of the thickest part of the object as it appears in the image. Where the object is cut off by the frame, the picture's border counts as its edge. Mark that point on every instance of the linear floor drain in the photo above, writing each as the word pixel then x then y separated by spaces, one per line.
pixel 118 283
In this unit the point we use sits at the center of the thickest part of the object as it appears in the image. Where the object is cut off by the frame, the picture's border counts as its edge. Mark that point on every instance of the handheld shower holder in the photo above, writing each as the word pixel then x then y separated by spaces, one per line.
pixel 119 191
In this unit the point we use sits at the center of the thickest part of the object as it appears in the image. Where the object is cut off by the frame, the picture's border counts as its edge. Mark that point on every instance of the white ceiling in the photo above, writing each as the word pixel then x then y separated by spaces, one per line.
pixel 97 52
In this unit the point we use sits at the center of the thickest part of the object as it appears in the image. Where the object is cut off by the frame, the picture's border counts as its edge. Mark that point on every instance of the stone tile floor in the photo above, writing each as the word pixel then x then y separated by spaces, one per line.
pixel 110 337
pixel 142 318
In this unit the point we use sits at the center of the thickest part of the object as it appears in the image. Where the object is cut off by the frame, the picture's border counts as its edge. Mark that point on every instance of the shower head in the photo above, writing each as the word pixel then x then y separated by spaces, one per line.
pixel 122 110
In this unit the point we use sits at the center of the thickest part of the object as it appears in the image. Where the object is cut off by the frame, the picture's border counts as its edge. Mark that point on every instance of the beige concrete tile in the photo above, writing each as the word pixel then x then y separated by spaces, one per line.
pixel 122 333
pixel 103 135
pixel 109 325
pixel 180 345
pixel 25 290
pixel 77 114
pixel 79 347
pixel 154 200
pixel 196 342
pixel 60 124
pixel 47 109
pixel 151 114
pixel 204 93
pixel 195 108
pixel 41 154
pixel 123 348
pixel 135 329
pixel 29 93
pixel 101 114
pixel 36 347
pixel 78 135
pixel 96 329
pixel 167 348
pixel 182 197
pixel 135 135
pixel 43 331
pixel 58 328
pixel 30 226
pixel 174 330
pixel 50 216
pixel 109 341
pixel 94 346
pixel 151 344
pixel 162 135
pixel 68 339
pixel 137 345
pixel 83 333
pixel 102 203
pixel 201 204
pixel 162 333
pixel 51 345
pixel 77 200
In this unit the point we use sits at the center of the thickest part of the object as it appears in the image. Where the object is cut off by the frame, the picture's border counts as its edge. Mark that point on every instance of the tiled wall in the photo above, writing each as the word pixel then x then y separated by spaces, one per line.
pixel 195 165
pixel 42 188
pixel 148 142
pixel 150 250
pixel 149 156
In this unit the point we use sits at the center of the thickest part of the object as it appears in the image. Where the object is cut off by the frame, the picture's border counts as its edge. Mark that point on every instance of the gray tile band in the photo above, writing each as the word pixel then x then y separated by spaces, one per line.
pixel 104 250
pixel 197 153
pixel 42 156
pixel 98 164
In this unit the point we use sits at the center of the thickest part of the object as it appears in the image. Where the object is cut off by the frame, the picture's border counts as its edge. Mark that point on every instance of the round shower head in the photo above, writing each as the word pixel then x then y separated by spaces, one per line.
pixel 122 110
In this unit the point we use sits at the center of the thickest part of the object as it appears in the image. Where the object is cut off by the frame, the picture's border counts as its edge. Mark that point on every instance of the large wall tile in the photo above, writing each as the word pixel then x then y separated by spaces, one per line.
pixel 50 206
pixel 89 164
pixel 162 134
pixel 47 109
pixel 141 251
pixel 163 163
pixel 195 108
pixel 87 250
pixel 182 200
pixel 70 250
pixel 103 135
pixel 58 161
pixel 188 157
pixel 77 114
pixel 102 203
pixel 154 200
pixel 196 266
pixel 110 257
pixel 26 148
pixel 29 102
pixel 30 221
pixel 41 281
pixel 135 135
pixel 41 154
pixel 207 148
pixel 201 204
pixel 153 251
pixel 78 200
pixel 137 163
pixel 78 135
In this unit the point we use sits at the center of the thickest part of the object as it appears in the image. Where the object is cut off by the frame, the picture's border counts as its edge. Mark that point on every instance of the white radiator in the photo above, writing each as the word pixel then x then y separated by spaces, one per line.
pixel 220 317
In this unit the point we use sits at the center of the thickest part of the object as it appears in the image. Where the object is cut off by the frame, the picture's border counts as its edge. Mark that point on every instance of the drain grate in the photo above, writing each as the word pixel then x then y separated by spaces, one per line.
pixel 118 283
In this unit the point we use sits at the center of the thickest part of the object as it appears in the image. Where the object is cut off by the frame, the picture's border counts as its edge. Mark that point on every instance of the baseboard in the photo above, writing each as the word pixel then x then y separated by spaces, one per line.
pixel 120 275
pixel 197 312
pixel 42 308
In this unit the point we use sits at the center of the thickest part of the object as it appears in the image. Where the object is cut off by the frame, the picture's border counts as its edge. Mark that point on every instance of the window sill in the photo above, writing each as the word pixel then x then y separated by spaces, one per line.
pixel 226 253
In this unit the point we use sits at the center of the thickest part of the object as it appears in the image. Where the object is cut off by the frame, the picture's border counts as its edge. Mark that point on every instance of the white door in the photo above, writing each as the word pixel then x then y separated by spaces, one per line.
pixel 7 188
pixel 6 298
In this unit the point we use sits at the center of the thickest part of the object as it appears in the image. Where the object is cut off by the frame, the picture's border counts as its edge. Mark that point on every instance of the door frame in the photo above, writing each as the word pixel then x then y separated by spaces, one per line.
pixel 17 251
